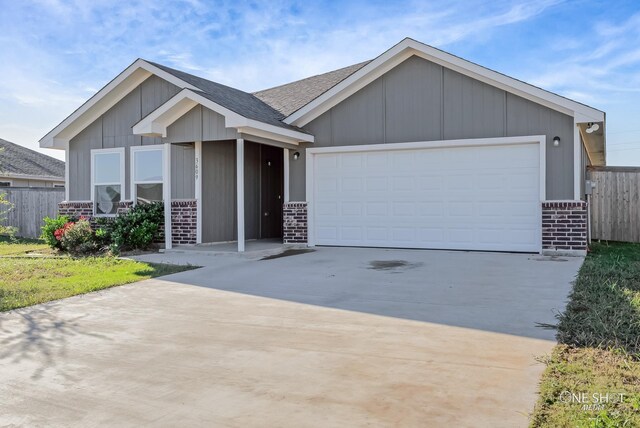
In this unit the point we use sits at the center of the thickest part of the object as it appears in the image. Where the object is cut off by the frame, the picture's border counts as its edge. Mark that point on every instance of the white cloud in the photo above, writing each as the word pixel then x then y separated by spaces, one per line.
pixel 49 70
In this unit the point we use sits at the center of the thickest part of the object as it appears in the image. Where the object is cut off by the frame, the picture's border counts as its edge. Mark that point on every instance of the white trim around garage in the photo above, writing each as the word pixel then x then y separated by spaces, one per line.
pixel 476 142
pixel 577 162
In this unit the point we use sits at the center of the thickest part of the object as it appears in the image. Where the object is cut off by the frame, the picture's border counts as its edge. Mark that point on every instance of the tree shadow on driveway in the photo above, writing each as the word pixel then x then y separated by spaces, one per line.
pixel 40 336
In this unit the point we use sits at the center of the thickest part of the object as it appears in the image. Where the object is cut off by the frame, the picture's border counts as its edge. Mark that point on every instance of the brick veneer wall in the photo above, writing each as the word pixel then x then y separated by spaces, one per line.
pixel 183 217
pixel 564 226
pixel 184 214
pixel 76 209
pixel 294 230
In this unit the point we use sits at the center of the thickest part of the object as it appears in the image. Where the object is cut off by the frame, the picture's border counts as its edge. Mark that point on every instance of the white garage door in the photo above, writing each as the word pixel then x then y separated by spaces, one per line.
pixel 483 197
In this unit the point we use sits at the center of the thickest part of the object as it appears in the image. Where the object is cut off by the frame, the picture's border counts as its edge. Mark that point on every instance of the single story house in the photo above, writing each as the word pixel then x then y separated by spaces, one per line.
pixel 416 148
pixel 22 167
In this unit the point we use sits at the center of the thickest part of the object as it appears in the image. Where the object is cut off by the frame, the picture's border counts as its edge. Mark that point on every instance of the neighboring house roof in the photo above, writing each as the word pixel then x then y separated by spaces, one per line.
pixel 243 103
pixel 292 96
pixel 16 160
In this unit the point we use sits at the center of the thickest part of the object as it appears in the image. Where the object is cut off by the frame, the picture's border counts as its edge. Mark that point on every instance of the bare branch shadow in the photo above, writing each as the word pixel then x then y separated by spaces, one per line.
pixel 39 334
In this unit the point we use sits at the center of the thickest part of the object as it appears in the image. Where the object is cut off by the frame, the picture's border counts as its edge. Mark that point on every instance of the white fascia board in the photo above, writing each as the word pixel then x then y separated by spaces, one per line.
pixel 157 122
pixel 33 177
pixel 409 47
pixel 104 99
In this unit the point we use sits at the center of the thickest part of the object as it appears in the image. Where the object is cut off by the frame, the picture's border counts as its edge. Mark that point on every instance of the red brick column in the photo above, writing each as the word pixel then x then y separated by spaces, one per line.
pixel 294 216
pixel 564 227
pixel 184 214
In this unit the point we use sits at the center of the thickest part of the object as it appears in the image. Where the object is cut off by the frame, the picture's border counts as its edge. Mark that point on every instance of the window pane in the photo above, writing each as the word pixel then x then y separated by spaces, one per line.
pixel 148 165
pixel 107 168
pixel 107 198
pixel 146 193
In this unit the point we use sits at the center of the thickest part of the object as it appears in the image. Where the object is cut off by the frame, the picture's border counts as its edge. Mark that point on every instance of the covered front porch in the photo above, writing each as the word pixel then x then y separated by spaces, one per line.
pixel 227 176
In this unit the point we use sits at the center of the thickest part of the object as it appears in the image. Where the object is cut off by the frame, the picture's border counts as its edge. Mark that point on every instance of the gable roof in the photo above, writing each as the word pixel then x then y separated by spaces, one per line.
pixel 283 110
pixel 16 160
pixel 292 96
pixel 235 100
pixel 409 47
pixel 240 102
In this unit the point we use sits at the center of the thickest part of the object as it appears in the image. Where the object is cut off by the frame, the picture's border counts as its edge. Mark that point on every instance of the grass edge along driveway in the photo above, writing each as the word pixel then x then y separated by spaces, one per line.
pixel 27 280
pixel 592 378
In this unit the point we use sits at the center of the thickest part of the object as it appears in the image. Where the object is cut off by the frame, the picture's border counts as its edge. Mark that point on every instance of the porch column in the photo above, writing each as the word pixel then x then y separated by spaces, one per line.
pixel 67 156
pixel 240 191
pixel 286 174
pixel 198 191
pixel 166 195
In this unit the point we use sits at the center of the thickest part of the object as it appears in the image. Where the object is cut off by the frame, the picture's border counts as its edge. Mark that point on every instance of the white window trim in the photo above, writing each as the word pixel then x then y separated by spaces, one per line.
pixel 94 152
pixel 132 175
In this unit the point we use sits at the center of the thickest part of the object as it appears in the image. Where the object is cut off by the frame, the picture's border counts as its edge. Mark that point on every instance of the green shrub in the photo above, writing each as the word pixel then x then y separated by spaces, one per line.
pixel 5 207
pixel 135 230
pixel 49 230
pixel 78 238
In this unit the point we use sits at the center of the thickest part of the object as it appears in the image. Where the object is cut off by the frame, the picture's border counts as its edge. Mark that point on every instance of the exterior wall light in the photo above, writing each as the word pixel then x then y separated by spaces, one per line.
pixel 296 155
pixel 592 127
pixel 556 141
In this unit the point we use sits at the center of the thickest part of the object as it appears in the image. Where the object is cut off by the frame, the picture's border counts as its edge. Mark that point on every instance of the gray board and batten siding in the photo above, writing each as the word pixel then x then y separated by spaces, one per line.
pixel 421 101
pixel 114 129
pixel 219 222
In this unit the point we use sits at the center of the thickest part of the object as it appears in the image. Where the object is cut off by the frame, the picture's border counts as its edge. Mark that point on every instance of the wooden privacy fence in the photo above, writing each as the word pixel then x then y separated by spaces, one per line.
pixel 30 206
pixel 615 203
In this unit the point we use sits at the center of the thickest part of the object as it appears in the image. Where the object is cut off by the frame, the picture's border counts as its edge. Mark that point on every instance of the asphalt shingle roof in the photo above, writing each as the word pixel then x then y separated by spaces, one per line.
pixel 18 160
pixel 243 103
pixel 293 96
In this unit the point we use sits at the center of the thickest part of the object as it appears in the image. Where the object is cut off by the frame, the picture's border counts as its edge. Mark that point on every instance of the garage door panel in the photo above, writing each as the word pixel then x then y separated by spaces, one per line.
pixel 376 234
pixel 351 209
pixel 477 198
pixel 431 209
pixel 377 184
pixel 401 160
pixel 351 160
pixel 430 182
pixel 326 162
pixel 327 186
pixel 326 208
pixel 403 183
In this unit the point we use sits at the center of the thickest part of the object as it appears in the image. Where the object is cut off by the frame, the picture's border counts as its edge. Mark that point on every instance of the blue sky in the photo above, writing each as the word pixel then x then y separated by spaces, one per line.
pixel 55 54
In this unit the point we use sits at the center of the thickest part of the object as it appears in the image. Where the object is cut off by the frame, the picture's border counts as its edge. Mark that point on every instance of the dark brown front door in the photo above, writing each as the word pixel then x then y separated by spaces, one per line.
pixel 271 192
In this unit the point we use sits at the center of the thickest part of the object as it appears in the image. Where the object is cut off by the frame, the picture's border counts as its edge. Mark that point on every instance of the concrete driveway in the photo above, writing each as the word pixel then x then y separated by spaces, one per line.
pixel 332 338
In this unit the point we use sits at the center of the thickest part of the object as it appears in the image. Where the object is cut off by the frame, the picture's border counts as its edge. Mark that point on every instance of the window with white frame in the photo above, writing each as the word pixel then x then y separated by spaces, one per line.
pixel 147 174
pixel 107 180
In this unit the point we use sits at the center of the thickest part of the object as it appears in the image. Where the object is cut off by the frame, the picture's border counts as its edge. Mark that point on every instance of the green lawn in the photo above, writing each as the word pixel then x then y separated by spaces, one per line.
pixel 20 246
pixel 27 280
pixel 599 351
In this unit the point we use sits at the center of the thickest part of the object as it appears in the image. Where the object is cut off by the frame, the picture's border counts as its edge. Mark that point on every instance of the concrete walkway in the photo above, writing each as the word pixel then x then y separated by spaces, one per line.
pixel 331 338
